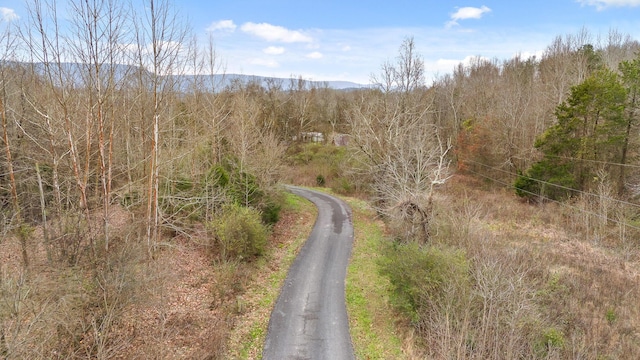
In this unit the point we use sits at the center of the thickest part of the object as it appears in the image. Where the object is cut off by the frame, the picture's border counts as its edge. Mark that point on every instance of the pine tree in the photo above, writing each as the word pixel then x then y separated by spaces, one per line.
pixel 589 134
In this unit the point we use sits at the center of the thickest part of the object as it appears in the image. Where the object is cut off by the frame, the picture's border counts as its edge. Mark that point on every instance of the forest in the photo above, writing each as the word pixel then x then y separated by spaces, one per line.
pixel 508 188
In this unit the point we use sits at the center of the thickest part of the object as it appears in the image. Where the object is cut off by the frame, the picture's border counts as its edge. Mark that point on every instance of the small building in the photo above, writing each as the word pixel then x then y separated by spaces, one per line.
pixel 311 136
pixel 340 139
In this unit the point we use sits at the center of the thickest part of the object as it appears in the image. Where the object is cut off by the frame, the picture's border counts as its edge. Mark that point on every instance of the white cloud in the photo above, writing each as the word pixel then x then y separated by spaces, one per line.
pixel 274 50
pixel 8 15
pixel 170 47
pixel 270 63
pixel 222 25
pixel 346 48
pixel 468 12
pixel 315 55
pixel 602 4
pixel 275 33
pixel 449 64
pixel 446 64
pixel 528 54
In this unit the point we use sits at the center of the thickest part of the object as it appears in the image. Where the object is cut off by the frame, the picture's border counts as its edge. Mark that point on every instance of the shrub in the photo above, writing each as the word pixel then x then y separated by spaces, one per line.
pixel 611 316
pixel 319 165
pixel 183 201
pixel 546 179
pixel 421 275
pixel 344 186
pixel 244 189
pixel 183 184
pixel 190 200
pixel 552 340
pixel 217 176
pixel 239 232
pixel 270 210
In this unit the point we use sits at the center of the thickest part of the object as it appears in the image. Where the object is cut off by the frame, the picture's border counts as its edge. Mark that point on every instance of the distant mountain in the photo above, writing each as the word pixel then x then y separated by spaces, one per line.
pixel 221 81
pixel 76 73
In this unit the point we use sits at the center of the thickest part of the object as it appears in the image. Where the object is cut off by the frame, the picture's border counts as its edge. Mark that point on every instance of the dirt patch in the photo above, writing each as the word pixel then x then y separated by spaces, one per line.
pixel 176 320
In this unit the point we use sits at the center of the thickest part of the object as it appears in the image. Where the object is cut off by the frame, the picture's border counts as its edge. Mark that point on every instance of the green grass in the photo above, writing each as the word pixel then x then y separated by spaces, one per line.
pixel 372 320
pixel 257 335
pixel 294 202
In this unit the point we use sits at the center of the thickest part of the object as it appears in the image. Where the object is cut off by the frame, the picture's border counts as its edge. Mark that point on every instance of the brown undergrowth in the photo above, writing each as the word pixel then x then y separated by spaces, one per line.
pixel 209 308
pixel 540 285
pixel 185 303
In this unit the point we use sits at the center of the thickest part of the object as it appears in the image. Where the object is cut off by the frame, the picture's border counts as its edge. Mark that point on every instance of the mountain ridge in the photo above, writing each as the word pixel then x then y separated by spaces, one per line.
pixel 75 72
pixel 224 80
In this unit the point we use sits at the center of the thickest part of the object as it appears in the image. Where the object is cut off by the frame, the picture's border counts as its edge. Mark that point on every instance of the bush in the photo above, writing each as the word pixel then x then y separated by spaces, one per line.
pixel 189 200
pixel 217 176
pixel 320 165
pixel 546 179
pixel 270 211
pixel 243 189
pixel 552 340
pixel 344 186
pixel 420 276
pixel 183 201
pixel 240 232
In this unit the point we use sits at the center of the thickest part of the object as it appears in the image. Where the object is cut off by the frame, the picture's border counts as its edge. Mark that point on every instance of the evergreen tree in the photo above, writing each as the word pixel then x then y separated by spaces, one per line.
pixel 589 134
pixel 630 71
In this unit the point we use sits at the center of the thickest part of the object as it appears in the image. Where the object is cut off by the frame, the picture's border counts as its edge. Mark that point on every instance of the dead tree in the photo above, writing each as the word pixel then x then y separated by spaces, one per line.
pixel 399 148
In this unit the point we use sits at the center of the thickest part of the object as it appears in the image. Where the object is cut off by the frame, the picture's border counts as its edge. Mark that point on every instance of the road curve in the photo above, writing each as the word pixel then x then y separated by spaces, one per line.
pixel 309 319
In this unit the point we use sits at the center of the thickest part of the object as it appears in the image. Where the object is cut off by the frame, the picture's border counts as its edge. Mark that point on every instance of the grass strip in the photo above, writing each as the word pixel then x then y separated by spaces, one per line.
pixel 371 318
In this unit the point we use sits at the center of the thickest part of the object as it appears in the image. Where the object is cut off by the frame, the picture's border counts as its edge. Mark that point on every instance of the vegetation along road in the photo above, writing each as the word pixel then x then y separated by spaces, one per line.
pixel 309 320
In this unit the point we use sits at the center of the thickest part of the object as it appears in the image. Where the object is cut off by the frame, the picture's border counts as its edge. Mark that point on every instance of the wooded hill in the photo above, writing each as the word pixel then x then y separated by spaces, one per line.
pixel 85 147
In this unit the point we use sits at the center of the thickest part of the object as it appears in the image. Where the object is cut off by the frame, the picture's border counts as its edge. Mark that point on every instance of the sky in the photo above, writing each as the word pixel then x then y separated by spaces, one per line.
pixel 349 40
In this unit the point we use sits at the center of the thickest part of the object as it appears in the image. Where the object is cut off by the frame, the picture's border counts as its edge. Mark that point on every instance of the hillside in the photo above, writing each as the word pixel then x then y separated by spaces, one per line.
pixel 540 285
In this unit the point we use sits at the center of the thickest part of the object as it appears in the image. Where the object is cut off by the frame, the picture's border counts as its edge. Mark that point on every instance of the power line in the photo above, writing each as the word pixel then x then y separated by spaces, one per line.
pixel 595 161
pixel 555 185
pixel 526 177
pixel 560 202
pixel 556 201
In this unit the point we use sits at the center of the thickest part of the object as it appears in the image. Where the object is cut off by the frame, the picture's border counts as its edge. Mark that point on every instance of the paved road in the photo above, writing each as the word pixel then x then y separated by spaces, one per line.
pixel 309 320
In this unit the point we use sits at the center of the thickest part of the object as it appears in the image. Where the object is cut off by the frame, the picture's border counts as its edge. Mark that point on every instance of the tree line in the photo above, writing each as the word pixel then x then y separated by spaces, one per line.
pixel 114 126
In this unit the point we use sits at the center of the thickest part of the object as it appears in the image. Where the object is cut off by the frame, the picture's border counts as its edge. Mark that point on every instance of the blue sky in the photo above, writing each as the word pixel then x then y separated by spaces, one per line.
pixel 349 40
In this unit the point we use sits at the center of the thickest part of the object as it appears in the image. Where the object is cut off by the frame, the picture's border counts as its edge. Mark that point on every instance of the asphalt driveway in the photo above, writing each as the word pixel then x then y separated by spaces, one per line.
pixel 309 319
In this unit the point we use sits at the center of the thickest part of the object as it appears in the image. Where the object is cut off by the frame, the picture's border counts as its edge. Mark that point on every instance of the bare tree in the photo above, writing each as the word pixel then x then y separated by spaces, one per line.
pixel 58 112
pixel 100 28
pixel 257 149
pixel 300 100
pixel 409 72
pixel 516 113
pixel 7 43
pixel 159 39
pixel 399 148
